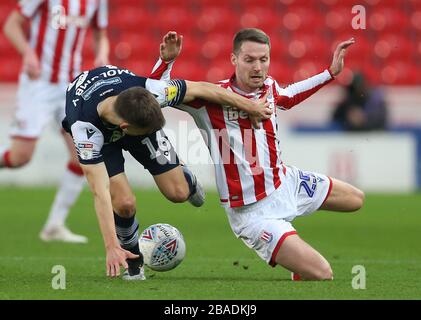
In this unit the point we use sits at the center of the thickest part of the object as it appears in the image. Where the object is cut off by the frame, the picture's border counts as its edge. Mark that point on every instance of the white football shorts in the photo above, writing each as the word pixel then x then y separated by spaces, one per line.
pixel 265 224
pixel 38 102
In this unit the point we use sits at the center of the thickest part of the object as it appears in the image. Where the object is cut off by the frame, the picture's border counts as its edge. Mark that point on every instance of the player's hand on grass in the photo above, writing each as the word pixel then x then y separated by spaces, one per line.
pixel 260 111
pixel 116 257
pixel 338 57
pixel 31 64
pixel 170 47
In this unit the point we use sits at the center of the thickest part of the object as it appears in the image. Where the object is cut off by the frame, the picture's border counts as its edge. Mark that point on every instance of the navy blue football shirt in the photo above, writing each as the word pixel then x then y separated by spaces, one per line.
pixel 90 133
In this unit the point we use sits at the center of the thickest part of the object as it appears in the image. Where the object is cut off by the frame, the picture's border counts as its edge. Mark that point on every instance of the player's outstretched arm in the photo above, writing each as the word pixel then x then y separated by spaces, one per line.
pixel 338 57
pixel 14 31
pixel 257 109
pixel 169 50
pixel 170 47
pixel 98 181
pixel 297 92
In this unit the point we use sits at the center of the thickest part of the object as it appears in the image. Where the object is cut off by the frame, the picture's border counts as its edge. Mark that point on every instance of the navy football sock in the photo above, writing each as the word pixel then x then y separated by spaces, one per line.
pixel 127 233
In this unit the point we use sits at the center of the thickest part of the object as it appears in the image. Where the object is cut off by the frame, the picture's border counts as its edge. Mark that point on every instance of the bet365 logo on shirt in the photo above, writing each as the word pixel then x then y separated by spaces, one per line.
pixel 235 114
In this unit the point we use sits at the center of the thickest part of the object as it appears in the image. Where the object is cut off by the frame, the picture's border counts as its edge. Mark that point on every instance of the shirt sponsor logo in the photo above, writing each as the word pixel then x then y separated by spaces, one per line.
pixel 234 114
pixel 85 150
pixel 85 145
pixel 99 84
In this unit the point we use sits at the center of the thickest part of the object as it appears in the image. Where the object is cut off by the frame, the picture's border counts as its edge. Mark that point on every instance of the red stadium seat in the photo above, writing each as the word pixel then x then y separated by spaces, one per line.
pixel 414 5
pixel 189 70
pixel 191 47
pixel 418 50
pixel 216 70
pixel 279 48
pixel 415 20
pixel 399 73
pixel 259 17
pixel 394 46
pixel 6 48
pixel 217 46
pixel 173 18
pixel 392 4
pixel 297 4
pixel 281 71
pixel 215 19
pixel 10 69
pixel 132 3
pixel 127 18
pixel 302 20
pixel 387 20
pixel 136 45
pixel 6 7
pixel 304 46
pixel 262 3
pixel 339 20
pixel 173 3
pixel 214 3
pixel 306 69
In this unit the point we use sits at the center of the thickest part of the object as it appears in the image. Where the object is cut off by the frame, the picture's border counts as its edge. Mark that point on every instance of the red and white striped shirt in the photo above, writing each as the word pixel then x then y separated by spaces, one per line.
pixel 58 29
pixel 247 160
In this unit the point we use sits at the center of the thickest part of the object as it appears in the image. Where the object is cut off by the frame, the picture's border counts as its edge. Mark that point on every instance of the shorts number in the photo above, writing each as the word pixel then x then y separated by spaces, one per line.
pixel 164 146
pixel 308 183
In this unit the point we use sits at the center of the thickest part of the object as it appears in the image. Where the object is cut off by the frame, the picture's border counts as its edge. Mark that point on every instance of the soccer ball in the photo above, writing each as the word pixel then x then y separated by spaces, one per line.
pixel 162 246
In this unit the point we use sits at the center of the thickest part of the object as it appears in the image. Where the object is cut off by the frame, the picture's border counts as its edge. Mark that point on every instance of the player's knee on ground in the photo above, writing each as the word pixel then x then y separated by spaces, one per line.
pixel 324 273
pixel 321 273
pixel 180 193
pixel 125 206
pixel 358 198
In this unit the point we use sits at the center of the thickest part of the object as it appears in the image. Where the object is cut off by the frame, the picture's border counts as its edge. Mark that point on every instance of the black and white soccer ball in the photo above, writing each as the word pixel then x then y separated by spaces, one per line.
pixel 162 246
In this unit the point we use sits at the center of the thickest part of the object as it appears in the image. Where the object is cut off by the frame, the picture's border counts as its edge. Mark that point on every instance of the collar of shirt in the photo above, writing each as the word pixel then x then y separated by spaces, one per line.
pixel 262 90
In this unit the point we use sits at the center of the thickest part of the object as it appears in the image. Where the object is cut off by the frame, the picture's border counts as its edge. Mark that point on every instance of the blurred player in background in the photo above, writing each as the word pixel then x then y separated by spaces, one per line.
pixel 261 195
pixel 51 59
pixel 362 108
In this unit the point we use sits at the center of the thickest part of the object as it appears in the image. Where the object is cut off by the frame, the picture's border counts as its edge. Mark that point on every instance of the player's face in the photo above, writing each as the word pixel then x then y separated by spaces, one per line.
pixel 251 65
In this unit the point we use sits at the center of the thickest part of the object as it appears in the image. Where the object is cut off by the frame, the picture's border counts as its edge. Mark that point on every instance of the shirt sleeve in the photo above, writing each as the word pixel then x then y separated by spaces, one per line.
pixel 162 70
pixel 88 141
pixel 168 93
pixel 100 19
pixel 28 7
pixel 286 98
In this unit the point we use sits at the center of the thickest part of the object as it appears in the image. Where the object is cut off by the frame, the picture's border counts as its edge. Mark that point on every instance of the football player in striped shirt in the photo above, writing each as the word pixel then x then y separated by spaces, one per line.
pixel 261 194
pixel 51 59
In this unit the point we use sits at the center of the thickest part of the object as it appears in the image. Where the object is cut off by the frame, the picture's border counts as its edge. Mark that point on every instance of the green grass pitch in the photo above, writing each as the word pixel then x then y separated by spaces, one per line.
pixel 384 237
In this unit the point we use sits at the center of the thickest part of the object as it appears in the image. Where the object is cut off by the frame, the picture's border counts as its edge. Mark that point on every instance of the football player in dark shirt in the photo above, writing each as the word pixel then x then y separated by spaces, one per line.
pixel 110 109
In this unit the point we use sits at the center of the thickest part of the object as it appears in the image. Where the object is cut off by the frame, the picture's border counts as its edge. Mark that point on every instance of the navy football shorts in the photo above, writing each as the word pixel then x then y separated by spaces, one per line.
pixel 153 151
